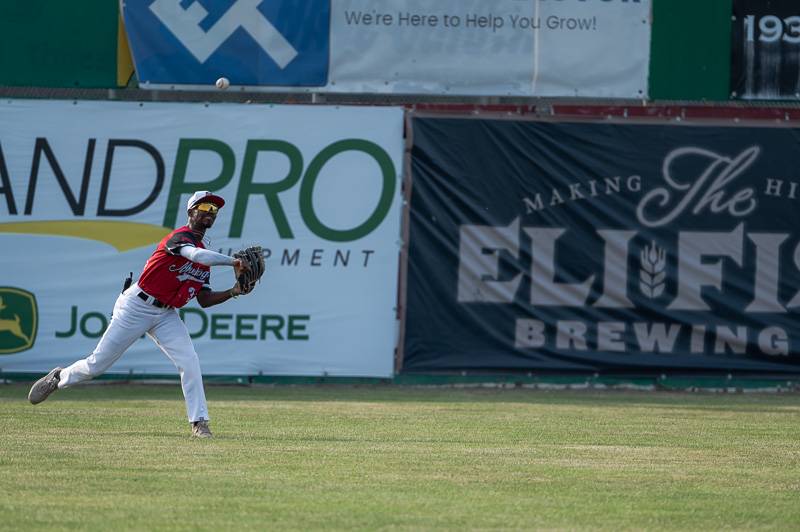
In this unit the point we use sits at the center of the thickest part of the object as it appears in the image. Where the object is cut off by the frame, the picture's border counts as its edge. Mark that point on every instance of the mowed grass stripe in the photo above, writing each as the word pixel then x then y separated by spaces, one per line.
pixel 401 458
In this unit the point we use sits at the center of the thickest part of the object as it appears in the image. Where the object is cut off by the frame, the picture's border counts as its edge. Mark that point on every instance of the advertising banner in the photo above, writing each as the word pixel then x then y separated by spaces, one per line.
pixel 475 47
pixel 88 189
pixel 542 246
pixel 765 50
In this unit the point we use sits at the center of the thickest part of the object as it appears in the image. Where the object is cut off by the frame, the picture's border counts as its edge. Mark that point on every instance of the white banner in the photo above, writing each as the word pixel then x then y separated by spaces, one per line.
pixel 557 48
pixel 87 189
pixel 492 47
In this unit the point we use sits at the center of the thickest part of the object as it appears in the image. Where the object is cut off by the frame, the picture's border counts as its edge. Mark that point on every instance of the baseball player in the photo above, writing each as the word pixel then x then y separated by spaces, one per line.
pixel 177 271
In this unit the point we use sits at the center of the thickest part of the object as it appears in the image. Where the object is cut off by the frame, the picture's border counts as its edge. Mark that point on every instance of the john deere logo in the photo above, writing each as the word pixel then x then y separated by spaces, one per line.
pixel 18 320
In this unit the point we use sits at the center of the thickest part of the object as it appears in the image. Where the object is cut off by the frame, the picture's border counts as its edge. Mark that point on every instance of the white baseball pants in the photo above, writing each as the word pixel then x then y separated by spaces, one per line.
pixel 133 317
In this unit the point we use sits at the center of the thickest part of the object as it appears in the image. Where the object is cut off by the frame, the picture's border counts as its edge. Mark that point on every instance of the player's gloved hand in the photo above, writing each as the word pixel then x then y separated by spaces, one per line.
pixel 240 266
pixel 251 260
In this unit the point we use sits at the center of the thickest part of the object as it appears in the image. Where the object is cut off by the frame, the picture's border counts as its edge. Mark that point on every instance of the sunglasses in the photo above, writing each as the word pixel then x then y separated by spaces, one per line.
pixel 207 207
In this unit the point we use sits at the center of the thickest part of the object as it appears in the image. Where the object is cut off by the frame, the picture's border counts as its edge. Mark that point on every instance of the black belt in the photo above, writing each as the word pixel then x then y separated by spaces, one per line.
pixel 150 299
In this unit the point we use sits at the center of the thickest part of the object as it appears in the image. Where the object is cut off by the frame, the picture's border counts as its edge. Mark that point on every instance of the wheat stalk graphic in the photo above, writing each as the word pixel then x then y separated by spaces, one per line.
pixel 651 276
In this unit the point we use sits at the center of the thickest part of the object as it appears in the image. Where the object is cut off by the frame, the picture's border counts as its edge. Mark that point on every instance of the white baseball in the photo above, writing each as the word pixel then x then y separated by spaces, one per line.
pixel 223 83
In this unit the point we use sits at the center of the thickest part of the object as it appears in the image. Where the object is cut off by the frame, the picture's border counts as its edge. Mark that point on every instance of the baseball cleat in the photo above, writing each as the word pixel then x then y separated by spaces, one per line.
pixel 42 388
pixel 200 429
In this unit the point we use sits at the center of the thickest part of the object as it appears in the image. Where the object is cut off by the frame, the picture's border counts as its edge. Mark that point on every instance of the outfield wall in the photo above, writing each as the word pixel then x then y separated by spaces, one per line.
pixel 87 189
pixel 651 50
pixel 601 246
pixel 596 240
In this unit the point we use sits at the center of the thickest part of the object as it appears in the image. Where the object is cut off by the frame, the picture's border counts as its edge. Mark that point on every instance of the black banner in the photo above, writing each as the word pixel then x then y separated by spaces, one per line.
pixel 542 246
pixel 765 49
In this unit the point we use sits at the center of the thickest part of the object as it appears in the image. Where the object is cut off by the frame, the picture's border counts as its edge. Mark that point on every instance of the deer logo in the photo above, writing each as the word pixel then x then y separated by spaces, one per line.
pixel 12 326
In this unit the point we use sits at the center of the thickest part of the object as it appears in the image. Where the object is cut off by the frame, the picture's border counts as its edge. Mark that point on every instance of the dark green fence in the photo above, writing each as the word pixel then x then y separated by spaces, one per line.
pixel 690 53
pixel 53 43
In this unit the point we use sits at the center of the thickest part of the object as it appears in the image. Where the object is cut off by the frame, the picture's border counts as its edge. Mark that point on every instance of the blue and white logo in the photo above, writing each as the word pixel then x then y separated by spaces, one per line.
pixel 250 42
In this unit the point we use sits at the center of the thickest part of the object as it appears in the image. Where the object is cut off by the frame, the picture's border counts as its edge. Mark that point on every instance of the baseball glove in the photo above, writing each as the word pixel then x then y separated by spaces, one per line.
pixel 247 278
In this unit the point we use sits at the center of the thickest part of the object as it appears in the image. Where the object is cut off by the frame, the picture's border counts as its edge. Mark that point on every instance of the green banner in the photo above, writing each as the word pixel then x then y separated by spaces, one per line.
pixel 52 43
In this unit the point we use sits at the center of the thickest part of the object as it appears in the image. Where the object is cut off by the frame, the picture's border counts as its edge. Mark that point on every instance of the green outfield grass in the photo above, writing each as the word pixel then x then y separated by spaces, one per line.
pixel 113 457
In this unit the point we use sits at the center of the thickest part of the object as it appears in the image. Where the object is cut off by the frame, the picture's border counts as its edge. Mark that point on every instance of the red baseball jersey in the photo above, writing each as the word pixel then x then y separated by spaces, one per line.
pixel 171 278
